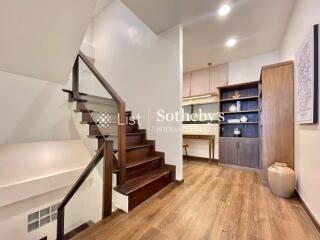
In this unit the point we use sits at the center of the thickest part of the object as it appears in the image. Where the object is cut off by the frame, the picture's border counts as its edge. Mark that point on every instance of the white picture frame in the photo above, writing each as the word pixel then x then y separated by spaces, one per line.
pixel 307 78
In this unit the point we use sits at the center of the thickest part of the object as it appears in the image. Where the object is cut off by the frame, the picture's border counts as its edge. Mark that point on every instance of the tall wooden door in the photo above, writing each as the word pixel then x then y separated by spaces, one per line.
pixel 277 115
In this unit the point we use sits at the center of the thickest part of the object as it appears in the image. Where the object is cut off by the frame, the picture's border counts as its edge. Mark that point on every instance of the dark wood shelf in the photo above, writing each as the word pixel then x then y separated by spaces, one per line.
pixel 239 99
pixel 247 111
pixel 228 123
pixel 241 137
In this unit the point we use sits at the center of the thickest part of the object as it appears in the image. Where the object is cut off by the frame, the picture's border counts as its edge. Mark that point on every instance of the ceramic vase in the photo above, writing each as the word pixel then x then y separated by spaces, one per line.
pixel 281 180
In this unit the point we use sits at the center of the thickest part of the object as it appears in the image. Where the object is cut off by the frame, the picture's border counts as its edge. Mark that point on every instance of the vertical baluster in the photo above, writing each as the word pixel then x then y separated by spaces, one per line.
pixel 60 224
pixel 107 177
pixel 122 142
pixel 75 79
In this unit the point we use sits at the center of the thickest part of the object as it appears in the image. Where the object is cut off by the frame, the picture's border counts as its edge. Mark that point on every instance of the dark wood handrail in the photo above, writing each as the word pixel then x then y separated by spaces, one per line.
pixel 101 79
pixel 121 111
pixel 106 152
pixel 96 159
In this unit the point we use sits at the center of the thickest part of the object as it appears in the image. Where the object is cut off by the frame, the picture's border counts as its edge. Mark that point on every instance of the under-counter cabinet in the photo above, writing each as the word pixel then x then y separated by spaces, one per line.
pixel 242 152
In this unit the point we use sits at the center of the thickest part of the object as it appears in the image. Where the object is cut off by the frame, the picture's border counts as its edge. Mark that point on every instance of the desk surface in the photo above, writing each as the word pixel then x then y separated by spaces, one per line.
pixel 197 136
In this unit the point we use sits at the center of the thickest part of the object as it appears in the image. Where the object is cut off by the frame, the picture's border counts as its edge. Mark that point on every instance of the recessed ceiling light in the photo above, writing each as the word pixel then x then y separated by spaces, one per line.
pixel 224 10
pixel 231 42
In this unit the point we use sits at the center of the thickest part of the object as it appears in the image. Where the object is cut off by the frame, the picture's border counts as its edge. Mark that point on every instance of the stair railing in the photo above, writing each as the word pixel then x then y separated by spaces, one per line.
pixel 105 152
pixel 120 105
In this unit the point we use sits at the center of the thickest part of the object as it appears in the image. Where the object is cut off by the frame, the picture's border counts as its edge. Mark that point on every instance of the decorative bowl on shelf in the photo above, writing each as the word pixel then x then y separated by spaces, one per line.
pixel 244 119
pixel 233 108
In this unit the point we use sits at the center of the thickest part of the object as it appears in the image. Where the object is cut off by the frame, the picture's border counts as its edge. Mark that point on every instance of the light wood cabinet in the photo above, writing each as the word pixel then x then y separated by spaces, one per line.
pixel 277 115
pixel 200 82
pixel 186 89
pixel 197 82
pixel 218 77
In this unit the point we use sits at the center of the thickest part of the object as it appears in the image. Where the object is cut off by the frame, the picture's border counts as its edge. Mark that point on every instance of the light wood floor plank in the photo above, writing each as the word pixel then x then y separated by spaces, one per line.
pixel 216 203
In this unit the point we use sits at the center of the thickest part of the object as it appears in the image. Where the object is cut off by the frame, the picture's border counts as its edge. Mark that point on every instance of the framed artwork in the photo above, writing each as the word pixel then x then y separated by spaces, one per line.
pixel 307 78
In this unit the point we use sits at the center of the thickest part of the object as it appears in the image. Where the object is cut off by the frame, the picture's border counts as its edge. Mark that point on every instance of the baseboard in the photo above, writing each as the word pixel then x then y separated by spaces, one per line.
pixel 242 168
pixel 305 207
pixel 195 158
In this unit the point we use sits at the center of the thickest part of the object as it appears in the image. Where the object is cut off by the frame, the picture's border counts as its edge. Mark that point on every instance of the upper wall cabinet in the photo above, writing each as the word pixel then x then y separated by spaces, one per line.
pixel 218 77
pixel 200 82
pixel 186 92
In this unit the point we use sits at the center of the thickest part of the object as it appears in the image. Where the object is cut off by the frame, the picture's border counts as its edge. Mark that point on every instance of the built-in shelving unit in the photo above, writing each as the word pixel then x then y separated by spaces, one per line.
pixel 245 150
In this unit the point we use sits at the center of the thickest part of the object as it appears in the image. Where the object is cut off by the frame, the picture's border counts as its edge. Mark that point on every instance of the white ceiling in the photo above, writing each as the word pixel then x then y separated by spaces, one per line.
pixel 259 25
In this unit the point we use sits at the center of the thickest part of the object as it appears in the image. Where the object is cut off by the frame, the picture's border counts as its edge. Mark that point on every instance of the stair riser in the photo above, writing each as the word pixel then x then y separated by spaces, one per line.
pixel 143 168
pixel 100 100
pixel 135 139
pixel 131 128
pixel 140 152
pixel 143 193
pixel 93 117
pixel 97 108
pixel 95 130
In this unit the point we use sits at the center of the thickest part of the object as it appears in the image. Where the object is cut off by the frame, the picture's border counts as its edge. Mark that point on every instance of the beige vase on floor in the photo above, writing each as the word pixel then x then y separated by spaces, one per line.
pixel 281 180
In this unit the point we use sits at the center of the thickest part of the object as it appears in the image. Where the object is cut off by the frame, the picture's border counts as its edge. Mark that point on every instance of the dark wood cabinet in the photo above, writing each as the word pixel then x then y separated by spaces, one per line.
pixel 248 153
pixel 242 152
pixel 228 151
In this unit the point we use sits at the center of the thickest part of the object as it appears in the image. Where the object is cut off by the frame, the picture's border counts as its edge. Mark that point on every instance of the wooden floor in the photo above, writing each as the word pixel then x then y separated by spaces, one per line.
pixel 213 203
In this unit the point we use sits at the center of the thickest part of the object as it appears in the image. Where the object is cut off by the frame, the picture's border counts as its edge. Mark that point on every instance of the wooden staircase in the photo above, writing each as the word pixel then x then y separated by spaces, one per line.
pixel 120 146
pixel 146 171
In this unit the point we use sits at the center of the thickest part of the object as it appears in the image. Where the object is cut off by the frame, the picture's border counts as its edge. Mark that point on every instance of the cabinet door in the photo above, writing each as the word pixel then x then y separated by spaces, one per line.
pixel 218 77
pixel 278 122
pixel 186 84
pixel 228 151
pixel 200 82
pixel 248 153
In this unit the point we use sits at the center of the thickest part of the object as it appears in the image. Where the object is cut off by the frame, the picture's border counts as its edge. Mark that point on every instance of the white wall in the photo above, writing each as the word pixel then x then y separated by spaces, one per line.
pixel 307 137
pixel 200 148
pixel 23 161
pixel 32 171
pixel 33 110
pixel 145 69
pixel 249 69
pixel 14 217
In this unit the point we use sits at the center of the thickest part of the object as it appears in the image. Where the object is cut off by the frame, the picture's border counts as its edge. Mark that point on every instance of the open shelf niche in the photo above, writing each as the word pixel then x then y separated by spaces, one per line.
pixel 248 105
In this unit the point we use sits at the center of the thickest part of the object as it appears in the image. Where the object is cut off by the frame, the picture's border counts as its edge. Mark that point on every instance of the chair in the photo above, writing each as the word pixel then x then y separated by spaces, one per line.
pixel 185 149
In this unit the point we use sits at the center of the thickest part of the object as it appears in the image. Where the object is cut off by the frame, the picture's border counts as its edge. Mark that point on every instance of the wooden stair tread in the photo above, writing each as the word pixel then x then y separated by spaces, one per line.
pixel 134 133
pixel 83 111
pixel 142 160
pixel 137 146
pixel 138 182
pixel 98 136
